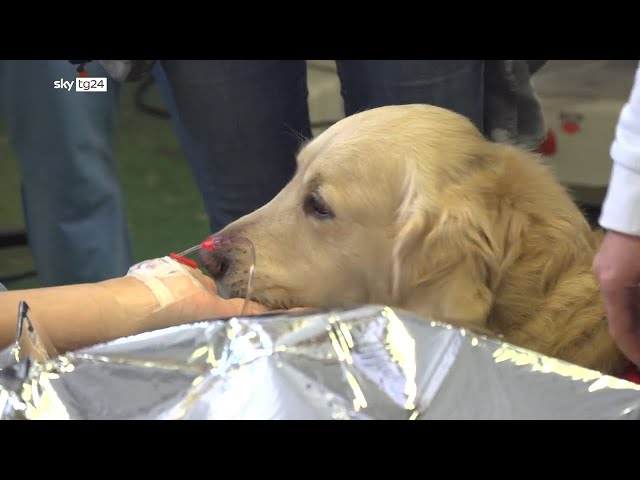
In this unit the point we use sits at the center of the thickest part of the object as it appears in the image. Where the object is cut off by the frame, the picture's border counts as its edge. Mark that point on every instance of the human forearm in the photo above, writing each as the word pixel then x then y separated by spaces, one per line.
pixel 156 294
pixel 76 316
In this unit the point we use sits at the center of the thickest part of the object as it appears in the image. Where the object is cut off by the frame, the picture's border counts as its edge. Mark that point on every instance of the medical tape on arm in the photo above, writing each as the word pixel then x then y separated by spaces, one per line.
pixel 151 273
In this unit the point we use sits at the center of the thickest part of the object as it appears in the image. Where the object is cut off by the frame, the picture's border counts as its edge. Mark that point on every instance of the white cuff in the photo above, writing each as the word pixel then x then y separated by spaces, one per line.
pixel 621 207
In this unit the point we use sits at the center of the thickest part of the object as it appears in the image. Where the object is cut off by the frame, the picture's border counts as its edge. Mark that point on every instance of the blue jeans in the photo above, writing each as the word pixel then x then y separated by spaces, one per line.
pixel 64 142
pixel 240 121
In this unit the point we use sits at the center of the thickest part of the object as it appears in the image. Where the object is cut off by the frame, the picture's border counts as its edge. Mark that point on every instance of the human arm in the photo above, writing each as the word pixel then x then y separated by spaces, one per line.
pixel 77 316
pixel 617 264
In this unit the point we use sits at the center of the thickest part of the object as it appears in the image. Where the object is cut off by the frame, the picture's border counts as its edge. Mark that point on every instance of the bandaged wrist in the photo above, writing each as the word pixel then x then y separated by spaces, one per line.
pixel 153 272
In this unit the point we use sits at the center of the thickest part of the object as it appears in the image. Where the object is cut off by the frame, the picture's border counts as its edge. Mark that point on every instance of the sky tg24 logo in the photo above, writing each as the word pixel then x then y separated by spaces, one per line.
pixel 86 84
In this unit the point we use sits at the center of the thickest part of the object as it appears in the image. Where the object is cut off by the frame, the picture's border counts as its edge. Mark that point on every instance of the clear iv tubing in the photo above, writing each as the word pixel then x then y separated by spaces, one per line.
pixel 214 243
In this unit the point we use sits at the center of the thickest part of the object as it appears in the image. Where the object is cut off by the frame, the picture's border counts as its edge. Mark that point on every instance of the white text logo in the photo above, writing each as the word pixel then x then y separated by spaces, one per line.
pixel 86 84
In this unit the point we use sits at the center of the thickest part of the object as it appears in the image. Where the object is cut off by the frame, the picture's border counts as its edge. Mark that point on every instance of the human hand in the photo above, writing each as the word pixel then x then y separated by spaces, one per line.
pixel 204 301
pixel 617 270
pixel 183 295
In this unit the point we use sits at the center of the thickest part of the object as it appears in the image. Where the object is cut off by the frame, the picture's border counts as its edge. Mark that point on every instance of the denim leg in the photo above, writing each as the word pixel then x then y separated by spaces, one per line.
pixel 240 123
pixel 454 84
pixel 197 161
pixel 64 142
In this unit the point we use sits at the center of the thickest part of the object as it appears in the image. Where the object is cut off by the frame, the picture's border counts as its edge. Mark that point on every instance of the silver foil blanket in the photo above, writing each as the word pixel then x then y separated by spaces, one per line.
pixel 366 363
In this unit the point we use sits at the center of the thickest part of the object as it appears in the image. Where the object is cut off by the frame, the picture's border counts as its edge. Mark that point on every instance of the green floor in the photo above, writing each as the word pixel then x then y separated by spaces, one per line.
pixel 164 208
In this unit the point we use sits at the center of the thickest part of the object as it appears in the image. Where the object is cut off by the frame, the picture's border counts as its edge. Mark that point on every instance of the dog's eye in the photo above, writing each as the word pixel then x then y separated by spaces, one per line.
pixel 315 205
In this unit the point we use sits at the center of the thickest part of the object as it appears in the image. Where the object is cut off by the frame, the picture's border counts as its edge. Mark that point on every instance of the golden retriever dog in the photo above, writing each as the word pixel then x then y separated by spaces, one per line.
pixel 411 207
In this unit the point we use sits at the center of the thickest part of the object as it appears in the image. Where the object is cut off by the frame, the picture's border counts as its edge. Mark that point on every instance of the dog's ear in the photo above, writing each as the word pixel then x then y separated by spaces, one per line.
pixel 445 260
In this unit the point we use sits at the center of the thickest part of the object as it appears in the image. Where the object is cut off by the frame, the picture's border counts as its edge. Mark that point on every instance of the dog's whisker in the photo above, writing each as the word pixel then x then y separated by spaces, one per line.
pixel 296 134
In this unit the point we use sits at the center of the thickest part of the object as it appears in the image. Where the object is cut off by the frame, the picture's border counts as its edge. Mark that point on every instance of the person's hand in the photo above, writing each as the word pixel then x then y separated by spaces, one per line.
pixel 205 303
pixel 201 291
pixel 617 270
pixel 179 295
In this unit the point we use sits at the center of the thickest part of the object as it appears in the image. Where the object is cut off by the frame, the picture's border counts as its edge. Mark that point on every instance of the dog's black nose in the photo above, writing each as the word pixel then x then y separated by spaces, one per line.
pixel 216 262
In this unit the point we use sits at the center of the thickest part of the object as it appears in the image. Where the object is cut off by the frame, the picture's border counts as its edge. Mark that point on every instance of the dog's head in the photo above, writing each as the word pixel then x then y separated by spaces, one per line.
pixel 393 205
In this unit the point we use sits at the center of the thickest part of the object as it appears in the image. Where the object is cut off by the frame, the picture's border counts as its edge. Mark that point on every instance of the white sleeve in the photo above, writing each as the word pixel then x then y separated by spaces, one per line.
pixel 621 207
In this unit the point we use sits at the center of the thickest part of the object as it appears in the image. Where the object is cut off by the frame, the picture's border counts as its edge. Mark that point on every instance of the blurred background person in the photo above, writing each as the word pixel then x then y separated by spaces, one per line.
pixel 65 145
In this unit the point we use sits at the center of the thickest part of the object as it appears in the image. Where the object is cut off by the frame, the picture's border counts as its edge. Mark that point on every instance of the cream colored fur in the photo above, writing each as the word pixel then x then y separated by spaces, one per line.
pixel 430 217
